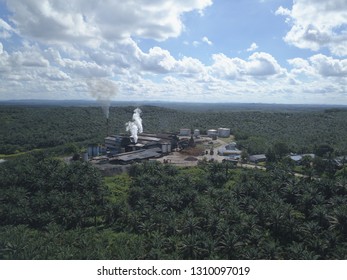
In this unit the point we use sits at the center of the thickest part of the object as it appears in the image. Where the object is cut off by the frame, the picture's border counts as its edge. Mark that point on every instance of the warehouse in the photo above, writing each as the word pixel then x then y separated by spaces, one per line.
pixel 135 156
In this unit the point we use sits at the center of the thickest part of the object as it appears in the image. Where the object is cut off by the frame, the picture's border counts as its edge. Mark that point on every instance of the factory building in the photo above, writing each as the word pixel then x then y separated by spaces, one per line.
pixel 257 158
pixel 229 150
pixel 123 144
pixel 136 156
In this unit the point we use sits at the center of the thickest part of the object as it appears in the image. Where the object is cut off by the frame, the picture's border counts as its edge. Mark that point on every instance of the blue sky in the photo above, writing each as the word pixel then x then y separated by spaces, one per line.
pixel 267 51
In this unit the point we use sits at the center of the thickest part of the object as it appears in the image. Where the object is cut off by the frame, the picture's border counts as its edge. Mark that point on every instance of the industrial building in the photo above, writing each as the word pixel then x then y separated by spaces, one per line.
pixel 257 158
pixel 135 156
pixel 229 150
pixel 122 149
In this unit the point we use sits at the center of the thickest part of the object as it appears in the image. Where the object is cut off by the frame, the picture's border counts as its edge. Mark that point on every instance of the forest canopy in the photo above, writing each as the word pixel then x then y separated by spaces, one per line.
pixel 26 128
pixel 51 210
pixel 54 209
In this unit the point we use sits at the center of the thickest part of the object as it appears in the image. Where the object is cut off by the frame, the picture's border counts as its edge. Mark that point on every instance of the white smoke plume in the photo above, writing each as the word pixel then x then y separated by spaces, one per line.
pixel 137 119
pixel 132 127
pixel 103 90
pixel 135 126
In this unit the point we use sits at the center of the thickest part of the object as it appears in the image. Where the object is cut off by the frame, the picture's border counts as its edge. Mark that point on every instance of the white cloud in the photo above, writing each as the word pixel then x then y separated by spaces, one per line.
pixel 83 40
pixel 157 60
pixel 317 24
pixel 5 29
pixel 319 67
pixel 252 47
pixel 206 40
pixel 196 43
pixel 259 64
pixel 328 66
pixel 88 21
pixel 283 11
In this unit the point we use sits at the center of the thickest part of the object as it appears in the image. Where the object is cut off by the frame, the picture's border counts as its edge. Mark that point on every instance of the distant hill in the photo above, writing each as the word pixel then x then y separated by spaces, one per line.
pixel 197 107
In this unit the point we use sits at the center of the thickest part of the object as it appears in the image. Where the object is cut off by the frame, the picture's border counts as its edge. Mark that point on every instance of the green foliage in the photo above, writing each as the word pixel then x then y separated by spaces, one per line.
pixel 118 186
pixel 158 211
pixel 36 192
pixel 26 128
pixel 53 210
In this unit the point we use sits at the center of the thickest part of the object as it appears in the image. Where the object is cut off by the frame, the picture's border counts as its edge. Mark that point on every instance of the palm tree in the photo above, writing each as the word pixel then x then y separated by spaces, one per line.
pixel 188 247
pixel 229 245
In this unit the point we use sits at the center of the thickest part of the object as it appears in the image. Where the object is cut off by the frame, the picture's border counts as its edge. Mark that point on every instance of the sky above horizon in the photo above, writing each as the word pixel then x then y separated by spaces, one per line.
pixel 267 51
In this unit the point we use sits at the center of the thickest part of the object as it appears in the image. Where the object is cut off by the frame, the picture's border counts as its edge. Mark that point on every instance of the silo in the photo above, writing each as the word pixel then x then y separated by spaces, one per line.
pixel 196 132
pixel 85 156
pixel 224 132
pixel 185 132
pixel 169 148
pixel 164 148
pixel 211 132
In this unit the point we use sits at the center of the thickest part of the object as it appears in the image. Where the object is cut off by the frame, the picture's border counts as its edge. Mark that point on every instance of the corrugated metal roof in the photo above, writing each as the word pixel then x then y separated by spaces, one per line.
pixel 257 157
pixel 136 155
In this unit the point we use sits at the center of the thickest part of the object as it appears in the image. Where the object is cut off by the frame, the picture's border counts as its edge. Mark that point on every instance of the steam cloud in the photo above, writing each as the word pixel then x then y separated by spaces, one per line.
pixel 103 90
pixel 135 126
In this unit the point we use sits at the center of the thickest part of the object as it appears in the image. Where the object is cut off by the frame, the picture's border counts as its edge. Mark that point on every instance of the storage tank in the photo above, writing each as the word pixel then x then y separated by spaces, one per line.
pixel 196 132
pixel 185 132
pixel 211 132
pixel 224 132
pixel 169 147
pixel 164 148
pixel 85 156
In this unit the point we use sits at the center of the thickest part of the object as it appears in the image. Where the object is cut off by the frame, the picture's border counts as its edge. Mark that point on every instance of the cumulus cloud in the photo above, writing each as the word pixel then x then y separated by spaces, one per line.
pixel 316 24
pixel 328 66
pixel 252 47
pixel 259 64
pixel 91 21
pixel 82 40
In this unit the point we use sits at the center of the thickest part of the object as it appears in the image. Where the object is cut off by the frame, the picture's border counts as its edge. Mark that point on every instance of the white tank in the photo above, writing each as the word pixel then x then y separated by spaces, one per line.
pixel 185 132
pixel 224 132
pixel 211 132
pixel 169 148
pixel 196 132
